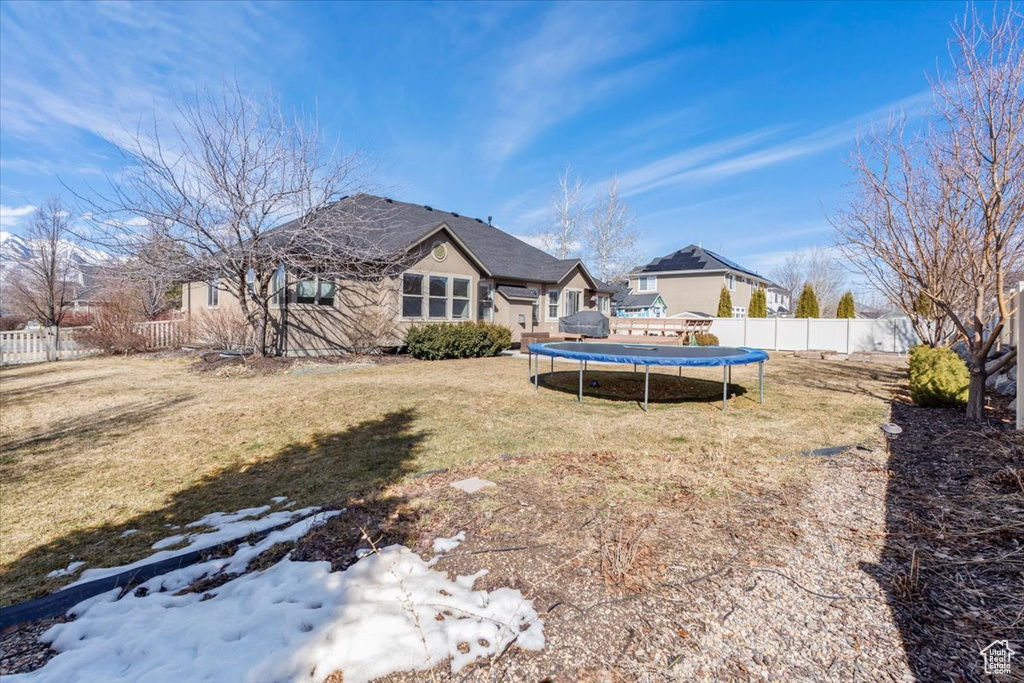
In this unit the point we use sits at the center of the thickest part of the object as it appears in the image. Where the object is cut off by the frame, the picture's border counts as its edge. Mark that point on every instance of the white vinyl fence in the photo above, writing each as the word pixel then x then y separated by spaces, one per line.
pixel 842 335
pixel 49 343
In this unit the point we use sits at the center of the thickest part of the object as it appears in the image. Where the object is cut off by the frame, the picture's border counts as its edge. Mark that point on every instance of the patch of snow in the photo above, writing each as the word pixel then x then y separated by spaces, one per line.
pixel 443 545
pixel 70 569
pixel 128 532
pixel 228 527
pixel 295 621
pixel 278 499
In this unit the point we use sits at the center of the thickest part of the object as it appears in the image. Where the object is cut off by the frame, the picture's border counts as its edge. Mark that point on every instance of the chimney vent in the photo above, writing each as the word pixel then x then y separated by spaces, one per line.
pixel 488 220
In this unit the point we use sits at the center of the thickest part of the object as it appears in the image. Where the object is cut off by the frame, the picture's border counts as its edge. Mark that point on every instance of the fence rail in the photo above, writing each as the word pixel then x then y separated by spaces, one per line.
pixel 842 335
pixel 50 343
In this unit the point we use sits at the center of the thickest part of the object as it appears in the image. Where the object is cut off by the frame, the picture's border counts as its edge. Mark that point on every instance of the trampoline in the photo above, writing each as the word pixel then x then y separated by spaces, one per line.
pixel 648 355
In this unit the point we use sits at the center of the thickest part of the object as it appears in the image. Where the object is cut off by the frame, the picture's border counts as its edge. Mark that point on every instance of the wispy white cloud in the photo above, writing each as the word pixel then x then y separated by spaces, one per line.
pixel 12 216
pixel 579 55
pixel 721 159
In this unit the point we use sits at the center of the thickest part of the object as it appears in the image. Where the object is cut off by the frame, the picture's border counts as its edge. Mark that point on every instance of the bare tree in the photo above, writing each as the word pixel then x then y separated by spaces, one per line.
pixel 244 188
pixel 937 219
pixel 41 282
pixel 153 272
pixel 562 240
pixel 610 239
pixel 816 267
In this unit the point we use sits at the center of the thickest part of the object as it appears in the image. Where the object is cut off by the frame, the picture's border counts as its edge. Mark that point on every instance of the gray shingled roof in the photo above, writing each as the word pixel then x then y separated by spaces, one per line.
pixel 637 300
pixel 695 258
pixel 399 225
pixel 519 292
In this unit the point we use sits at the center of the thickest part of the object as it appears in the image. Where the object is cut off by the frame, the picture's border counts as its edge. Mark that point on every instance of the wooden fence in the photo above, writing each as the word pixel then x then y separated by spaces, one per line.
pixel 50 343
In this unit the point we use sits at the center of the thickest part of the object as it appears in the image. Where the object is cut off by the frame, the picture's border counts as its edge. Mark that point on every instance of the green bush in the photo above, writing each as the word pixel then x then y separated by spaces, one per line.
pixel 705 339
pixel 938 377
pixel 758 304
pixel 807 304
pixel 437 341
pixel 724 303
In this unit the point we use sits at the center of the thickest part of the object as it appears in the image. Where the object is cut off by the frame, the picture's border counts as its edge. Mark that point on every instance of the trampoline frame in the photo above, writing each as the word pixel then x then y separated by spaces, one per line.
pixel 749 357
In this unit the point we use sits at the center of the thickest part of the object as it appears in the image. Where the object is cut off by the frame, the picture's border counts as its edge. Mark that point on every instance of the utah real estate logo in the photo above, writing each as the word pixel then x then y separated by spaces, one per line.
pixel 997 658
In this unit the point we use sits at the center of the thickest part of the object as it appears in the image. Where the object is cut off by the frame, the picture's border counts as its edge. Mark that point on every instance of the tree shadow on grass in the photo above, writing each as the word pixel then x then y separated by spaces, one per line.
pixel 629 386
pixel 32 392
pixel 952 563
pixel 845 377
pixel 351 468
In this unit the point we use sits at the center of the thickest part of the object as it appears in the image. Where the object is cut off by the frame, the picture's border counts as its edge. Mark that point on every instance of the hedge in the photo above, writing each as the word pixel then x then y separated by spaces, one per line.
pixel 438 341
pixel 938 377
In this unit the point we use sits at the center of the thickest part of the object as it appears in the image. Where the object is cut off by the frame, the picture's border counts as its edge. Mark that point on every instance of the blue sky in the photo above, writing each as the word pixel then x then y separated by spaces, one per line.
pixel 727 123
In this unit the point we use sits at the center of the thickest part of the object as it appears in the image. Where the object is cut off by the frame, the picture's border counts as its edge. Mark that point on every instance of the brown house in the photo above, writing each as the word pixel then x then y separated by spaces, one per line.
pixel 462 269
pixel 690 281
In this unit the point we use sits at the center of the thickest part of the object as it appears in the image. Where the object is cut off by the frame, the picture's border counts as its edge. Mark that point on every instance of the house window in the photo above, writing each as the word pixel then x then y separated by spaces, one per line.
pixel 277 285
pixel 316 292
pixel 437 304
pixel 739 312
pixel 648 283
pixel 603 305
pixel 484 302
pixel 460 299
pixel 213 291
pixel 732 282
pixel 553 303
pixel 412 296
pixel 572 302
pixel 535 310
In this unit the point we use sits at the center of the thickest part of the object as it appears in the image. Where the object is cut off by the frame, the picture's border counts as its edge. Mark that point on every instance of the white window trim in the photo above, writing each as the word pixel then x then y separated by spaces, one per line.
pixel 315 306
pixel 739 312
pixel 640 283
pixel 474 282
pixel 213 285
pixel 547 304
pixel 565 301
pixel 731 280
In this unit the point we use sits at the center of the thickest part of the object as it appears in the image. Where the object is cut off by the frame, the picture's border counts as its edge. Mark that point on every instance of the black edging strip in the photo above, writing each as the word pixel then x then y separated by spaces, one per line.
pixel 57 603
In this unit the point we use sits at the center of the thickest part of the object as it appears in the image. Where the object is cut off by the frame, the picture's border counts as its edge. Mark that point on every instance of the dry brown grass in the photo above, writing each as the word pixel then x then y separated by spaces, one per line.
pixel 91 448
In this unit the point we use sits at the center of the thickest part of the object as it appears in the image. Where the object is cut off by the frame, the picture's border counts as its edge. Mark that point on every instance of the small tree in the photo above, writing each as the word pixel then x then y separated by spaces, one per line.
pixel 610 238
pixel 807 305
pixel 725 303
pixel 758 304
pixel 562 239
pixel 845 309
pixel 41 283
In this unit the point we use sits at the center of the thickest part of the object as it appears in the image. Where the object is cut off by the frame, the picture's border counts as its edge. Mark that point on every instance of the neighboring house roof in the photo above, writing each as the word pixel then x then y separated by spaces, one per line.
pixel 694 259
pixel 645 300
pixel 511 292
pixel 403 225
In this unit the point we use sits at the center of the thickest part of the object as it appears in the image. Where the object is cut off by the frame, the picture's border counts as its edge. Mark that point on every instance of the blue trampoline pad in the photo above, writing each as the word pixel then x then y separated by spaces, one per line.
pixel 651 354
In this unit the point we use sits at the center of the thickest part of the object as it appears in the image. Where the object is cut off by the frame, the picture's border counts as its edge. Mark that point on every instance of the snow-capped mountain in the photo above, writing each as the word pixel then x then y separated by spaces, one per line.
pixel 14 248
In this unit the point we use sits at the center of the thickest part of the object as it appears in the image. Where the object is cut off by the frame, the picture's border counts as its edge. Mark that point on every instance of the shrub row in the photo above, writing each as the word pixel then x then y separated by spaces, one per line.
pixel 437 341
pixel 938 377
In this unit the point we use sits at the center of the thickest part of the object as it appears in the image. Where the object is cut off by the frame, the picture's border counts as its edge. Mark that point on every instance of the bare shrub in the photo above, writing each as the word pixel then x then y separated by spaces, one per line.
pixel 220 328
pixel 77 319
pixel 12 322
pixel 114 326
pixel 624 551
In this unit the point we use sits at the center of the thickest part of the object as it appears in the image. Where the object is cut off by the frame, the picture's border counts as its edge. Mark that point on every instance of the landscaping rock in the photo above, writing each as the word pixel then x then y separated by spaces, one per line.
pixel 472 485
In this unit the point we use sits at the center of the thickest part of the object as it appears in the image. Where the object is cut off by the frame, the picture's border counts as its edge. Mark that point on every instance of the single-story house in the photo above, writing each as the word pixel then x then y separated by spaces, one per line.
pixel 459 269
pixel 647 305
pixel 691 279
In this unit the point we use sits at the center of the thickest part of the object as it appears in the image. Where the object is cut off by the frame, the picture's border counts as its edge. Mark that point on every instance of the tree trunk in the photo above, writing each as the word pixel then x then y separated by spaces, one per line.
pixel 976 392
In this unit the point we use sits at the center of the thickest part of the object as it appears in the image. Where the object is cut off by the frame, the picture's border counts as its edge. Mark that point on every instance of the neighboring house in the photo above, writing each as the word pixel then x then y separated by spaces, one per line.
pixel 691 279
pixel 461 268
pixel 86 288
pixel 628 305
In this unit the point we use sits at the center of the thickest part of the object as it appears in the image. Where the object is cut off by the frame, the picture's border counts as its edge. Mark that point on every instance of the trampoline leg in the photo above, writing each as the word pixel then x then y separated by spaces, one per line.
pixel 760 380
pixel 647 384
pixel 552 366
pixel 584 366
pixel 536 376
pixel 680 372
pixel 725 388
pixel 581 381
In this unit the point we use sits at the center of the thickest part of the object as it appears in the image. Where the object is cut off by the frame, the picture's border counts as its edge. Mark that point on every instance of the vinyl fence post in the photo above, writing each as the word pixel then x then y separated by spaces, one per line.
pixel 51 343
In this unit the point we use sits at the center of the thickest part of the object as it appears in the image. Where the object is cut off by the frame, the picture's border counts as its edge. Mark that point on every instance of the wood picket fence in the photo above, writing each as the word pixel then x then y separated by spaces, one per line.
pixel 51 343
